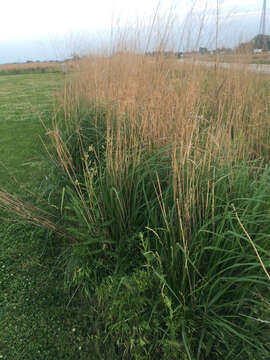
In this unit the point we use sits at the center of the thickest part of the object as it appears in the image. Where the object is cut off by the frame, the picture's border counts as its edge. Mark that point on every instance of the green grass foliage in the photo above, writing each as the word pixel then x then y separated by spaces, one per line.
pixel 163 249
pixel 162 284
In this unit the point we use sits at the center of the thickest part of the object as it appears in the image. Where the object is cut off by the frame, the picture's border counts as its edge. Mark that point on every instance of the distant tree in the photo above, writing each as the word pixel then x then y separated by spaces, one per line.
pixel 245 47
pixel 261 41
pixel 203 50
pixel 258 42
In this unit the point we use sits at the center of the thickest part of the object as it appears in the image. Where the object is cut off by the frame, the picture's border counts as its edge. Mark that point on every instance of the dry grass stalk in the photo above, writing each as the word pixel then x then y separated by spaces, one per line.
pixel 251 242
pixel 206 116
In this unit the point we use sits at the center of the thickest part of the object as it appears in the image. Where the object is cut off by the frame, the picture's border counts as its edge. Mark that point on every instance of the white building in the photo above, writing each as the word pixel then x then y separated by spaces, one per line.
pixel 257 51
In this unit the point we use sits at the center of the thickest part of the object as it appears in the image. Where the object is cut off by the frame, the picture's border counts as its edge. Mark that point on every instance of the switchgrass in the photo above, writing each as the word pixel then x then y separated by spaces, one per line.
pixel 160 184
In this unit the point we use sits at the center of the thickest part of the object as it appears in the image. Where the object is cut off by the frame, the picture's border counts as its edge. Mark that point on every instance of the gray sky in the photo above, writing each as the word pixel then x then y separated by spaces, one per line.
pixel 50 29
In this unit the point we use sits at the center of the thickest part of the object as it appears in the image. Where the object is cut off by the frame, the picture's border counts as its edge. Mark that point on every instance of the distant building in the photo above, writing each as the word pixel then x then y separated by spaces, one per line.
pixel 257 51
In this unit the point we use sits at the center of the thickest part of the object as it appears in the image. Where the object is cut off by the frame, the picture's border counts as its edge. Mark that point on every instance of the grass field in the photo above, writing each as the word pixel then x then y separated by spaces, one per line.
pixel 23 100
pixel 30 68
pixel 36 319
pixel 150 235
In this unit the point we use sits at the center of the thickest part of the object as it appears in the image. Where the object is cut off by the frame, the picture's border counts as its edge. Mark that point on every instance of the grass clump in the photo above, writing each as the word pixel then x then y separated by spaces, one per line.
pixel 159 174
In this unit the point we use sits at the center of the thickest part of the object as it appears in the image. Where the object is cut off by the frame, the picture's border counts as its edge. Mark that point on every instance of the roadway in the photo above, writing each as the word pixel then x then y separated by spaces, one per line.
pixel 259 68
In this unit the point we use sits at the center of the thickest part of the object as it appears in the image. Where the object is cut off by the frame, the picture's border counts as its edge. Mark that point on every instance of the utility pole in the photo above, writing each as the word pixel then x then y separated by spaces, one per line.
pixel 217 23
pixel 262 24
pixel 217 32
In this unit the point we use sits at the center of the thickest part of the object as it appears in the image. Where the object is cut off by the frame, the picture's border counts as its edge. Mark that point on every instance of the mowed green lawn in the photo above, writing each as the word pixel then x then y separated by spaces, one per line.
pixel 36 319
pixel 24 99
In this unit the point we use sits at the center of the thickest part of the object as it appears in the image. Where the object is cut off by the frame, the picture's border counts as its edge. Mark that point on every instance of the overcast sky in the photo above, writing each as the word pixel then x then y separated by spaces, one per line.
pixel 48 29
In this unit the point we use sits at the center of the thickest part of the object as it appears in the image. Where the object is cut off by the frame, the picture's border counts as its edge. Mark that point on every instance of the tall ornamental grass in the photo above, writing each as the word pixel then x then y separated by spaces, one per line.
pixel 159 183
